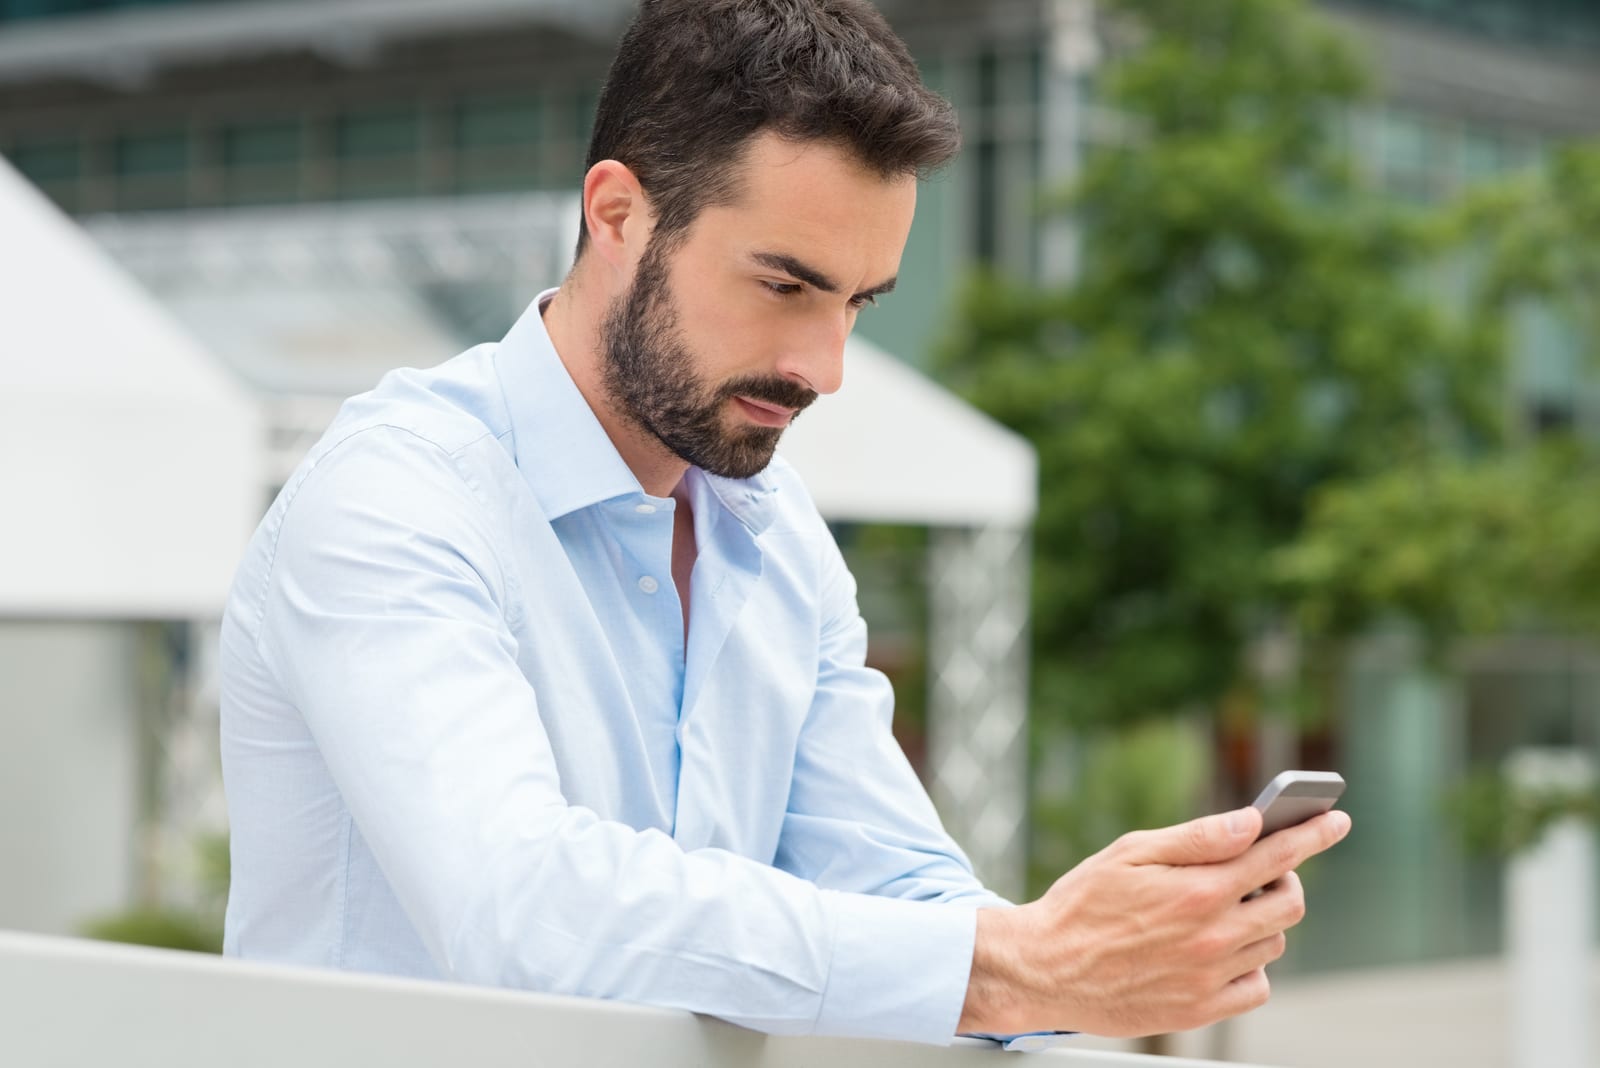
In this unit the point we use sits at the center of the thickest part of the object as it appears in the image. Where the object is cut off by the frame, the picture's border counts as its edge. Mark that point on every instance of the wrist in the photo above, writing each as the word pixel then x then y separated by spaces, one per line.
pixel 995 1002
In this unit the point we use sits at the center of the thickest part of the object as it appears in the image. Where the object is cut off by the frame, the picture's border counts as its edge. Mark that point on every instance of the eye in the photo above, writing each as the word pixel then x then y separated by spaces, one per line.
pixel 861 302
pixel 784 289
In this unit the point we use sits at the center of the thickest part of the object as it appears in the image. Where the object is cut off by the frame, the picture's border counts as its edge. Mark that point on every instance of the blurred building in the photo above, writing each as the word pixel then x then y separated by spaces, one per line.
pixel 204 143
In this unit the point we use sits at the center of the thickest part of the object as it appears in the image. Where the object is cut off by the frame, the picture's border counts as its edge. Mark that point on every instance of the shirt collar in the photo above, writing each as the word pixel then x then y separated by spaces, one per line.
pixel 563 452
pixel 749 500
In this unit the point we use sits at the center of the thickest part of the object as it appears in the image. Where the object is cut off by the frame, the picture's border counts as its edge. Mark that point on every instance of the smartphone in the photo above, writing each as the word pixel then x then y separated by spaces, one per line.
pixel 1295 796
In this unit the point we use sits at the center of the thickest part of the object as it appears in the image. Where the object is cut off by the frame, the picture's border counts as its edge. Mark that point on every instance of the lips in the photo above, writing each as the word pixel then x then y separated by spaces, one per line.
pixel 764 413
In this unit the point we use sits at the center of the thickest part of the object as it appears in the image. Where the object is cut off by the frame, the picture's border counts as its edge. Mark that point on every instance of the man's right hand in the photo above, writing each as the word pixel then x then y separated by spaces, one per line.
pixel 1151 934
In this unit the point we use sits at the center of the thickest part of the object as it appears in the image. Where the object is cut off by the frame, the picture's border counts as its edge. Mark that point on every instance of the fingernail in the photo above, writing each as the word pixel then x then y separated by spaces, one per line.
pixel 1237 823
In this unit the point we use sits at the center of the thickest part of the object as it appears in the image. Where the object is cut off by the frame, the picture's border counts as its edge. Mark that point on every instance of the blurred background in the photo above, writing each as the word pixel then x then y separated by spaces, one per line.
pixel 1288 310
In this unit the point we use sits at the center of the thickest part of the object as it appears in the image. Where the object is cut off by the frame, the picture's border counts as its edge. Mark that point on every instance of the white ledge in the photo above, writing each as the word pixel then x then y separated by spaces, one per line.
pixel 73 1002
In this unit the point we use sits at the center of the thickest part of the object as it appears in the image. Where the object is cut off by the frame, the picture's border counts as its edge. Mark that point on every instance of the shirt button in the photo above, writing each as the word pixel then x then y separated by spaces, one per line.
pixel 649 585
pixel 645 509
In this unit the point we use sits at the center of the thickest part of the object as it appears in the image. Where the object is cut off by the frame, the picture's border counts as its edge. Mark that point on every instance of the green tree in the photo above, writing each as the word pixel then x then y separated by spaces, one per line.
pixel 1481 541
pixel 1244 329
pixel 1272 400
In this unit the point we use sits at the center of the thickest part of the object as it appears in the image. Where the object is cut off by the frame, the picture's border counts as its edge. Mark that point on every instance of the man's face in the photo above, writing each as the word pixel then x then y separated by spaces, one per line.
pixel 727 333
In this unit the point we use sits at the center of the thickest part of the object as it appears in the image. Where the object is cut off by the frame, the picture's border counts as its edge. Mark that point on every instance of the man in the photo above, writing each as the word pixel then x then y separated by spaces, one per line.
pixel 543 672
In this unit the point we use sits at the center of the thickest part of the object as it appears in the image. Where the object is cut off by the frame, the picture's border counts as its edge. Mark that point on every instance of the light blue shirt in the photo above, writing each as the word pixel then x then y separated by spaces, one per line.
pixel 463 736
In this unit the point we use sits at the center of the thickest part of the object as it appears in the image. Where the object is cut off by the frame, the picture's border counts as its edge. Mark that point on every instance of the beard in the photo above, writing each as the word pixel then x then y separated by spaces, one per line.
pixel 649 377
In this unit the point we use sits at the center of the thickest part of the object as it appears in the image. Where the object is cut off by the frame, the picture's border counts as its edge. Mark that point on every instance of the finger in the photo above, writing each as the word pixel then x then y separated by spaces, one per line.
pixel 1287 879
pixel 1283 851
pixel 1273 908
pixel 1208 840
pixel 1257 954
pixel 1249 991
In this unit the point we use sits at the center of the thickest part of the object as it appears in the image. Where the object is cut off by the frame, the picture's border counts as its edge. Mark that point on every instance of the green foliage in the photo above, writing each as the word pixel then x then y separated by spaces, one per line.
pixel 1243 332
pixel 167 928
pixel 1497 819
pixel 1477 541
pixel 1152 774
pixel 197 928
pixel 1455 544
pixel 1537 236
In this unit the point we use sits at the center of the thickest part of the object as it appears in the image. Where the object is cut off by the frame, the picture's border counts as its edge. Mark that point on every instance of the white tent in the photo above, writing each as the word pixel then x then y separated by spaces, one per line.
pixel 129 476
pixel 893 447
pixel 128 457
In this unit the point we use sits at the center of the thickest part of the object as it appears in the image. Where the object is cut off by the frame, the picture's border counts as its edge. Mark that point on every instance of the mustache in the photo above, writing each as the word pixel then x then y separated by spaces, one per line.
pixel 779 391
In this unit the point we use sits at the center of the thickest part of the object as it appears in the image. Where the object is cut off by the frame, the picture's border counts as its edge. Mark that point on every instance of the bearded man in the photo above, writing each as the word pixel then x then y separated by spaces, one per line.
pixel 543 672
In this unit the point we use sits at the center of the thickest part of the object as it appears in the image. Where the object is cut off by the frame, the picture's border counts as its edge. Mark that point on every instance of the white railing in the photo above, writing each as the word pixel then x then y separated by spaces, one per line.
pixel 66 1003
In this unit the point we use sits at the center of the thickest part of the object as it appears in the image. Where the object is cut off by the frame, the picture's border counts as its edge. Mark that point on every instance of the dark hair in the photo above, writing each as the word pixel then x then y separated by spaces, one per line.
pixel 694 80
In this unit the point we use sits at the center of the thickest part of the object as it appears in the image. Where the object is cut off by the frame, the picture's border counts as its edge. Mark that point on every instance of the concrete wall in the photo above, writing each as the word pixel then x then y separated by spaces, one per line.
pixel 68 772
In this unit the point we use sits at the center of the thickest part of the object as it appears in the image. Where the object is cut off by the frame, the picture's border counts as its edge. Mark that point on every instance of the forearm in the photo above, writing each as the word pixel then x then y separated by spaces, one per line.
pixel 996 1002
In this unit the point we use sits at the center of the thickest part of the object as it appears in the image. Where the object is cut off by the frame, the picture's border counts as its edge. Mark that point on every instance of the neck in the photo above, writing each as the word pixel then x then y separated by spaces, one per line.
pixel 573 319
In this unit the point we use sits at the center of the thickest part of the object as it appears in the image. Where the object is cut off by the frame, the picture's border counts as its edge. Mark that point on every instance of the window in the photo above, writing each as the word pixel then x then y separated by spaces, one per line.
pixel 158 153
pixel 499 140
pixel 261 161
pixel 498 120
pixel 378 133
pixel 378 152
pixel 152 169
pixel 54 165
pixel 1548 367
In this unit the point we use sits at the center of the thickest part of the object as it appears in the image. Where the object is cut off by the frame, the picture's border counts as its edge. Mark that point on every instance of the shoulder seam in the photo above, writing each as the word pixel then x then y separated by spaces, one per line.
pixel 303 473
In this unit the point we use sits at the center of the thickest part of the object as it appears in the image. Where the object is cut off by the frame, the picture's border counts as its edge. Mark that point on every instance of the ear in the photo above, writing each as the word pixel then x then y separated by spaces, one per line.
pixel 617 214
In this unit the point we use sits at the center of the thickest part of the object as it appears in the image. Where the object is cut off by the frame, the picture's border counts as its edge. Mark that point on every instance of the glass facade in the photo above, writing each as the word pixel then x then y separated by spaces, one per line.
pixel 475 141
pixel 20 10
pixel 1424 158
pixel 983 207
pixel 1558 23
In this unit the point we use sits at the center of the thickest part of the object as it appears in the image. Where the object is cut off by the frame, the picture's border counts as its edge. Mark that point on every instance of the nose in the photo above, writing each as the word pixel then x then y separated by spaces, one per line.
pixel 816 360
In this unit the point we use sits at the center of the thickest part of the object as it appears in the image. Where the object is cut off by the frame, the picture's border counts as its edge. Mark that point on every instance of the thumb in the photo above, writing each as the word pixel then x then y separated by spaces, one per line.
pixel 1208 840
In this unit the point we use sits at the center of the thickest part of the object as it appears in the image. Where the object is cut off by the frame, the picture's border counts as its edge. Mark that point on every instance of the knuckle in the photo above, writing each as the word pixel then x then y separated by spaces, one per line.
pixel 1277 945
pixel 1218 977
pixel 1200 894
pixel 1283 852
pixel 1131 842
pixel 1208 945
pixel 1260 989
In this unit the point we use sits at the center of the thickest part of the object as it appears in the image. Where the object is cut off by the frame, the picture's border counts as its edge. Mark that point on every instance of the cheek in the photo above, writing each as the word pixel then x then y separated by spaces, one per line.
pixel 731 339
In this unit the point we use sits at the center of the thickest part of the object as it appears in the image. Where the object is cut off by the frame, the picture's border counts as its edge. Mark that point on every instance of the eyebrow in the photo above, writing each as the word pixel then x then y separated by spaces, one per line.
pixel 781 261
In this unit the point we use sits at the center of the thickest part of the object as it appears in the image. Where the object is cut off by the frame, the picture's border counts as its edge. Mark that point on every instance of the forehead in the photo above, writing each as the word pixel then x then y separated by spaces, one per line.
pixel 815 201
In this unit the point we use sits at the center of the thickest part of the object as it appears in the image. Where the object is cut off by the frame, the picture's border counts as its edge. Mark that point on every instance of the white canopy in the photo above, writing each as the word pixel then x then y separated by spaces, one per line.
pixel 129 458
pixel 893 447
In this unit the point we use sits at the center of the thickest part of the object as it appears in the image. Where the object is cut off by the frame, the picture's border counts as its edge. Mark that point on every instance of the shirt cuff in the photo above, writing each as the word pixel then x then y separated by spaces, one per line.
pixel 900 969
